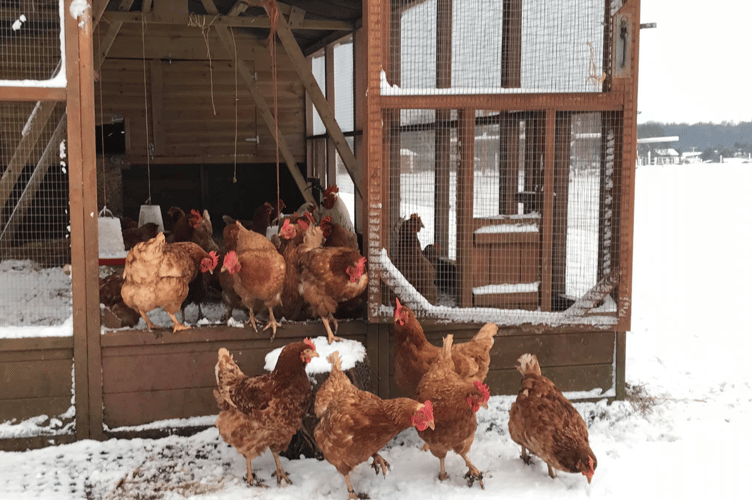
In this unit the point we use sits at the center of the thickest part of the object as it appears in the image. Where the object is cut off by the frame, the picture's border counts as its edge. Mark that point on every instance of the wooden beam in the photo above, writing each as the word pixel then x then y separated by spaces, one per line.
pixel 112 32
pixel 465 185
pixel 26 94
pixel 261 106
pixel 322 106
pixel 227 21
pixel 575 101
pixel 24 202
pixel 297 16
pixel 548 208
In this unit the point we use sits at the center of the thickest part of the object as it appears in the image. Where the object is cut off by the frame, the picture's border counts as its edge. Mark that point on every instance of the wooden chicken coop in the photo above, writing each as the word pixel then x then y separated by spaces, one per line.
pixel 486 149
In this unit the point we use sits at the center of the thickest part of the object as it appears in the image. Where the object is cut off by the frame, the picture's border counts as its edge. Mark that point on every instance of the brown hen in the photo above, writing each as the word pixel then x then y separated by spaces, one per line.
pixel 413 354
pixel 258 272
pixel 409 259
pixel 157 274
pixel 355 424
pixel 455 401
pixel 329 276
pixel 264 411
pixel 545 423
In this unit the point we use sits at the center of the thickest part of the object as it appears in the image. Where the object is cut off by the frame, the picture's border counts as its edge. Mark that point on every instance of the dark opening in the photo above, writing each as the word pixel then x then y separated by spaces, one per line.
pixel 113 137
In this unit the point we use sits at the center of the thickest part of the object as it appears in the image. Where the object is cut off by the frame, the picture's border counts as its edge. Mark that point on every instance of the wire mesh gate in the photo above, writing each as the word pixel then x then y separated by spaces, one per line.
pixel 503 170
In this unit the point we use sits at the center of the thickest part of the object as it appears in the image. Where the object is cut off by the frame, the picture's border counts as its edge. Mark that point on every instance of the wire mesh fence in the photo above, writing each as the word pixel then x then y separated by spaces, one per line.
pixel 30 40
pixel 483 46
pixel 527 223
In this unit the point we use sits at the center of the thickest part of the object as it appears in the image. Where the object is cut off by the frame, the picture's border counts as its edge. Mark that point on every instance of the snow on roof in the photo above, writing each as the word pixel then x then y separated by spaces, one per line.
pixel 350 352
pixel 665 152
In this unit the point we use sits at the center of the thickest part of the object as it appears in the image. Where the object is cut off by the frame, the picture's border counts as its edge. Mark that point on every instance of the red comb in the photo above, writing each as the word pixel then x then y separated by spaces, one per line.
pixel 214 258
pixel 483 389
pixel 309 343
pixel 331 189
pixel 195 218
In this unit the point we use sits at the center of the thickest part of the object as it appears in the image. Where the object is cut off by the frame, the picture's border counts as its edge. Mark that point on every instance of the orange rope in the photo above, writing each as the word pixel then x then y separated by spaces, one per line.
pixel 273 12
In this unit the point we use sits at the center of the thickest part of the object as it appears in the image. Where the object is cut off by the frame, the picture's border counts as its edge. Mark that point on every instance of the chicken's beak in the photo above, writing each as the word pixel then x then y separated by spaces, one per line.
pixel 485 405
pixel 431 425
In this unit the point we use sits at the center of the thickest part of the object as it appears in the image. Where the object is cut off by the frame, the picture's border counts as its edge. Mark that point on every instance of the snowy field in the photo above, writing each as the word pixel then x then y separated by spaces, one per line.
pixel 683 434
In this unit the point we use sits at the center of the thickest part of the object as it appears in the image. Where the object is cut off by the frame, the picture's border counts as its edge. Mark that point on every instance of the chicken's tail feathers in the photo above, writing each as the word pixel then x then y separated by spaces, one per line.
pixel 527 364
pixel 486 333
pixel 446 348
pixel 335 360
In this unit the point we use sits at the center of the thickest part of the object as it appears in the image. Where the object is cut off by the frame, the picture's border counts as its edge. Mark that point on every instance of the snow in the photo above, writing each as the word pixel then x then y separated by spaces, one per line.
pixel 350 352
pixel 686 436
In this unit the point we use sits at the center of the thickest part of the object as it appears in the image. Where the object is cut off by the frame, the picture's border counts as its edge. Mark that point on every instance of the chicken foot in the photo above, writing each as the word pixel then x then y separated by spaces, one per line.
pixel 380 463
pixel 526 457
pixel 251 478
pixel 329 333
pixel 351 492
pixel 443 476
pixel 273 323
pixel 551 471
pixel 178 326
pixel 280 473
pixel 473 474
pixel 149 325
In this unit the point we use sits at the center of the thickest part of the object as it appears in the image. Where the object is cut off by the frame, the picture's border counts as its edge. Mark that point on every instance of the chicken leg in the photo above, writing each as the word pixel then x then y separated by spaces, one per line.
pixel 443 476
pixel 280 472
pixel 380 463
pixel 149 325
pixel 251 478
pixel 329 333
pixel 525 456
pixel 473 474
pixel 351 492
pixel 273 323
pixel 178 326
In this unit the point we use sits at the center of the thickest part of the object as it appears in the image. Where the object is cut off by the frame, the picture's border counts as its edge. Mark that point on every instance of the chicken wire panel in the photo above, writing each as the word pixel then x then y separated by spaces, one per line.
pixel 527 225
pixel 34 217
pixel 30 34
pixel 489 46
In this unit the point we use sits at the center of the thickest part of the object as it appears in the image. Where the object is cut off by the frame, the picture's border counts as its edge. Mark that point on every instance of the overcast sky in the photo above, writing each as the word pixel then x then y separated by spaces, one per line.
pixel 696 65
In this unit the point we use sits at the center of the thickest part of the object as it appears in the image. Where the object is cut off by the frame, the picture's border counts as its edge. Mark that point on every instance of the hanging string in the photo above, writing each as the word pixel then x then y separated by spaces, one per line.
pixel 235 153
pixel 146 108
pixel 273 11
pixel 593 69
pixel 101 127
pixel 193 20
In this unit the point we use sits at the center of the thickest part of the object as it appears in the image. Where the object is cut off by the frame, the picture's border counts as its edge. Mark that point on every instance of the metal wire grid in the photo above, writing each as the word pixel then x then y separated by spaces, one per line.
pixel 34 217
pixel 509 209
pixel 484 46
pixel 29 39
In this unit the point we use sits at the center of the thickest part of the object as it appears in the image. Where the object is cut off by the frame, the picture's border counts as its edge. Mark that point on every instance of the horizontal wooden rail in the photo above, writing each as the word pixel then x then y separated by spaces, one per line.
pixel 611 101
pixel 32 93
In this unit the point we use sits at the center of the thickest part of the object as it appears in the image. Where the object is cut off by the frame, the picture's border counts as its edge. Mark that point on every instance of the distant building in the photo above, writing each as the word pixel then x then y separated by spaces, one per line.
pixel 691 157
pixel 665 156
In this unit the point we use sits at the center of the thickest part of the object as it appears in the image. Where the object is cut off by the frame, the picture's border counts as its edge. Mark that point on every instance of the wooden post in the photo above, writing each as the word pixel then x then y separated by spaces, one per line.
pixel 511 44
pixel 465 181
pixel 548 209
pixel 561 205
pixel 84 240
pixel 331 149
pixel 443 133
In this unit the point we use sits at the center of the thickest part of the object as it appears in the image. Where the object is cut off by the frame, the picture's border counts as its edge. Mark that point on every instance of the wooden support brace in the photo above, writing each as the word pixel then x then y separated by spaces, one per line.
pixel 322 106
pixel 261 106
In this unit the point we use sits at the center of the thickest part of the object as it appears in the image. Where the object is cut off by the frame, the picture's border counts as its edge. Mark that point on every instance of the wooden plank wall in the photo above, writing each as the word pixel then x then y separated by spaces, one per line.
pixel 35 377
pixel 183 91
pixel 576 361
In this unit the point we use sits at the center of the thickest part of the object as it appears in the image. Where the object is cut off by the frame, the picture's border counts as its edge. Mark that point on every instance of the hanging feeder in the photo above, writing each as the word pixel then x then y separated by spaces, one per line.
pixel 150 213
pixel 111 247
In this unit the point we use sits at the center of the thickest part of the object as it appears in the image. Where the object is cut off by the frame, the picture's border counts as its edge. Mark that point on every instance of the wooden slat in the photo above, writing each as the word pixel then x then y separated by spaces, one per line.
pixel 32 93
pixel 511 44
pixel 25 408
pixel 35 378
pixel 322 106
pixel 584 101
pixel 228 21
pixel 129 409
pixel 566 378
pixel 31 443
pixel 33 344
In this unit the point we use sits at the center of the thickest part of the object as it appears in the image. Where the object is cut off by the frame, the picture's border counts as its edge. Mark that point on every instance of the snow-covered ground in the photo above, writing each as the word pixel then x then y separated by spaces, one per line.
pixel 684 434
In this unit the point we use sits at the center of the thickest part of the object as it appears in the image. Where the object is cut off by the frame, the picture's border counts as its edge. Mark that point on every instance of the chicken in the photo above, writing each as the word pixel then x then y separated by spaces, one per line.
pixel 409 259
pixel 455 400
pixel 230 297
pixel 446 271
pixel 258 273
pixel 413 354
pixel 291 234
pixel 543 422
pixel 328 276
pixel 264 411
pixel 355 424
pixel 337 236
pixel 198 229
pixel 109 296
pixel 334 207
pixel 157 274
pixel 262 218
pixel 133 235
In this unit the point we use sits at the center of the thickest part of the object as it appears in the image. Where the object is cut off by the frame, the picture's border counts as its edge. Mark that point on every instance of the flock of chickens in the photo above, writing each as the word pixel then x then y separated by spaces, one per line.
pixel 310 268
pixel 307 270
pixel 444 388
